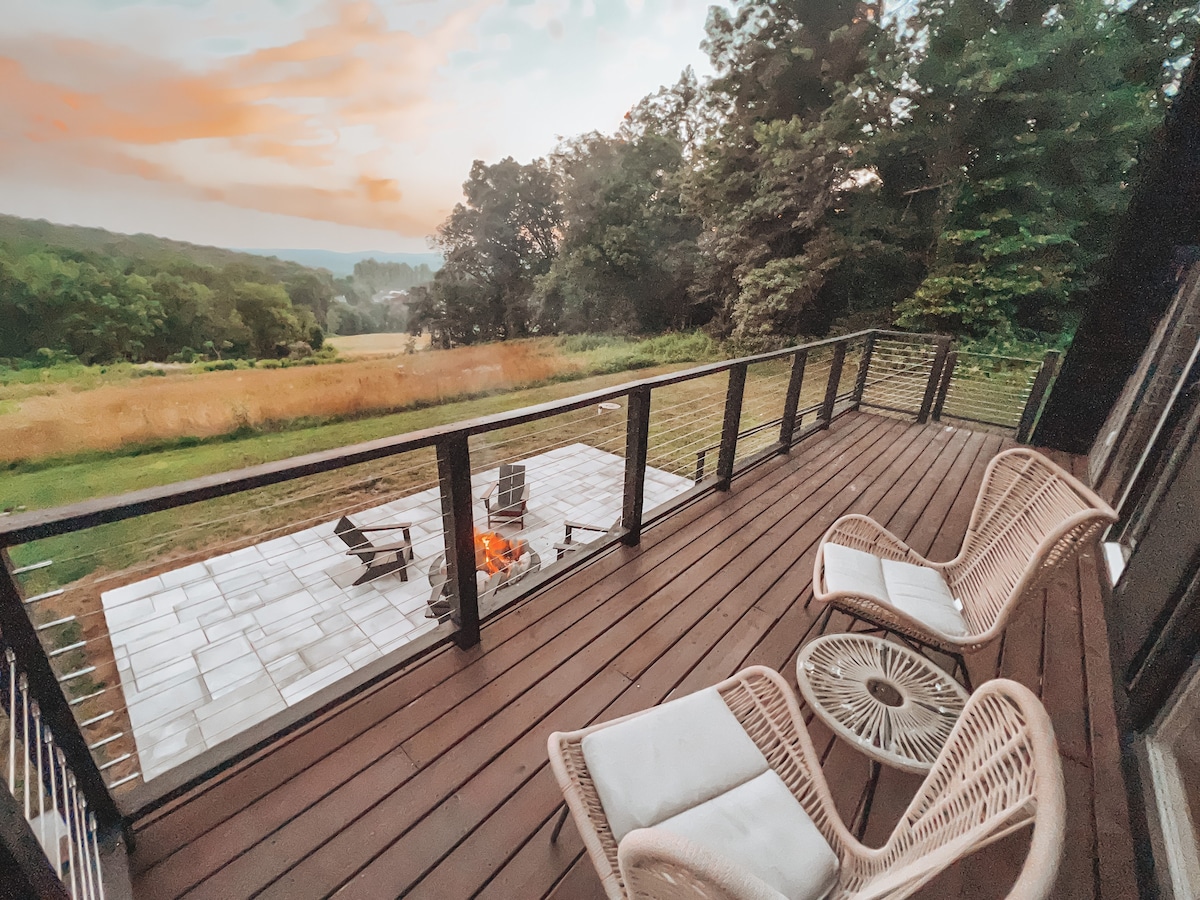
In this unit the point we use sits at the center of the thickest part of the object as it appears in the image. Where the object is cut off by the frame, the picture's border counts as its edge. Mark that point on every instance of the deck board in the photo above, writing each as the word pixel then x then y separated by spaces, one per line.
pixel 434 781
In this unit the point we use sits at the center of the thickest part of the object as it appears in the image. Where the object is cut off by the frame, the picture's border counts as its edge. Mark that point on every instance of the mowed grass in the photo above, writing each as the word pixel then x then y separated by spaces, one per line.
pixel 356 346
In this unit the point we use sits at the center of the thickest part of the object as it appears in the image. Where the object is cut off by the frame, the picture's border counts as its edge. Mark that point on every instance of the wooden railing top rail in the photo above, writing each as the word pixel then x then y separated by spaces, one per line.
pixel 39 524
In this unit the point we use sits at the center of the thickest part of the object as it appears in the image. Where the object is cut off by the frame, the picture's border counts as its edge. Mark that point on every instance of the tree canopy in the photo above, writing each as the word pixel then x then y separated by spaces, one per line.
pixel 959 170
pixel 102 298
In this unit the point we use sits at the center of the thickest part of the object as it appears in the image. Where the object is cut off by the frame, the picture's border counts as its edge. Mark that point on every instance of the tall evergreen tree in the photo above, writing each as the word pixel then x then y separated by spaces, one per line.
pixel 789 86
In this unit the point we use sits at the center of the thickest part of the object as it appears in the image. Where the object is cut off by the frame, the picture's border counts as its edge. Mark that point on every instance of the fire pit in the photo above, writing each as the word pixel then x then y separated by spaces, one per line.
pixel 499 562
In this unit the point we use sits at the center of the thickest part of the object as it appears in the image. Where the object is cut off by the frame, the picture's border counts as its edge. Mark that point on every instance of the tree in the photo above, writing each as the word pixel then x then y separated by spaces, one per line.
pixel 794 88
pixel 628 250
pixel 1023 122
pixel 496 243
pixel 311 291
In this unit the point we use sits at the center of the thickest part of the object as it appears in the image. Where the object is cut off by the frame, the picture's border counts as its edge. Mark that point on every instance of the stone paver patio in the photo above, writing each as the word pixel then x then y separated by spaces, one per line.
pixel 208 650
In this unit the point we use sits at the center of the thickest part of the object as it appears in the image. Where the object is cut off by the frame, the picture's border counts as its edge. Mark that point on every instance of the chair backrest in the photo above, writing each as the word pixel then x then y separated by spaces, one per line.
pixel 350 535
pixel 999 772
pixel 512 485
pixel 1030 516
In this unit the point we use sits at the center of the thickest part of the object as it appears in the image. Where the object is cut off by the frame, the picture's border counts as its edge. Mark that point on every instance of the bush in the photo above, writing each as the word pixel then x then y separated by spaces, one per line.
pixel 221 365
pixel 582 343
pixel 270 364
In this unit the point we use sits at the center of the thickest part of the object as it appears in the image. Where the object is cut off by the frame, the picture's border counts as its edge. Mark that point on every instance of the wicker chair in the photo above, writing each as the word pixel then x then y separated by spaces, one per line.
pixel 1030 517
pixel 998 773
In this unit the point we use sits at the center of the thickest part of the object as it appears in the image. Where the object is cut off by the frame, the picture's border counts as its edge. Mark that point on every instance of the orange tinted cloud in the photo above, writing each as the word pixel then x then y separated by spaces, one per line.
pixel 272 120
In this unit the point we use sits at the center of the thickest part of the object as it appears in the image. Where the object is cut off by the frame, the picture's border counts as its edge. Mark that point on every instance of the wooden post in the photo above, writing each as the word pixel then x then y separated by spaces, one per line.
pixel 21 638
pixel 701 456
pixel 935 374
pixel 731 425
pixel 864 367
pixel 458 522
pixel 788 426
pixel 1037 395
pixel 944 384
pixel 637 446
pixel 835 379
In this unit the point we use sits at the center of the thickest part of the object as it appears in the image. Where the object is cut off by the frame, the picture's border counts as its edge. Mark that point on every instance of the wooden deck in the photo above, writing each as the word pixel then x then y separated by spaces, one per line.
pixel 434 782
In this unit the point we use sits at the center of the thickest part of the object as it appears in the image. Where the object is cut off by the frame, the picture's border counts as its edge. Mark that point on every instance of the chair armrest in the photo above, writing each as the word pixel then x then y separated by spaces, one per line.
pixel 864 533
pixel 582 526
pixel 391 527
pixel 393 545
pixel 487 494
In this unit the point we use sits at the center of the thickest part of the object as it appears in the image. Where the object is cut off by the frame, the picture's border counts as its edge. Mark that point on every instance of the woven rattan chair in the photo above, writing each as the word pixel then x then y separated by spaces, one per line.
pixel 998 772
pixel 1031 516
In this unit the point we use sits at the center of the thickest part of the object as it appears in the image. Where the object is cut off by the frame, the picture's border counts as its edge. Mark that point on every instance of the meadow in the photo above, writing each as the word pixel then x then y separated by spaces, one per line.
pixel 79 410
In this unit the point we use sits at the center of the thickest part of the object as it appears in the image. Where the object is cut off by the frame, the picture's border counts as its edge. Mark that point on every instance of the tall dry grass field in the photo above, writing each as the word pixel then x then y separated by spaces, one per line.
pixel 214 403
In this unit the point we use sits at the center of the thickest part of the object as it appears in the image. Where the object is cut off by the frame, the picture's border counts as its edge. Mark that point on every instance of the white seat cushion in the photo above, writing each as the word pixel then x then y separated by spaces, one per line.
pixel 762 828
pixel 669 759
pixel 916 591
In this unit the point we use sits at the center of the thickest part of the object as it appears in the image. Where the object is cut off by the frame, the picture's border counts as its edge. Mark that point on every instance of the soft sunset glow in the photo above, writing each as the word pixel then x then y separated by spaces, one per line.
pixel 311 123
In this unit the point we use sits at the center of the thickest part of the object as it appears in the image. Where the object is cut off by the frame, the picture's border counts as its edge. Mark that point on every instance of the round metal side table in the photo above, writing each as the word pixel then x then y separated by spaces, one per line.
pixel 882 698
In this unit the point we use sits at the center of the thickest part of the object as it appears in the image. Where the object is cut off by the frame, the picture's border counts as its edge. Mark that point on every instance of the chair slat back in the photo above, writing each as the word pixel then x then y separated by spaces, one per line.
pixel 512 485
pixel 998 772
pixel 350 535
pixel 1030 516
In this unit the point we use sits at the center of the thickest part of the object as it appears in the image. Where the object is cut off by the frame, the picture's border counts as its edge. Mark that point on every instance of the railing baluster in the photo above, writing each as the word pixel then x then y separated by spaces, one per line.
pixel 458 522
pixel 864 366
pixel 731 425
pixel 637 450
pixel 64 785
pixel 935 375
pixel 30 658
pixel 835 379
pixel 787 427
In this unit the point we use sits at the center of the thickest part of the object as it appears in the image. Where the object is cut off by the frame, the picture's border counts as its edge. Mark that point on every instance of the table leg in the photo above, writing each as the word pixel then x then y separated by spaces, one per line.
pixel 558 826
pixel 868 800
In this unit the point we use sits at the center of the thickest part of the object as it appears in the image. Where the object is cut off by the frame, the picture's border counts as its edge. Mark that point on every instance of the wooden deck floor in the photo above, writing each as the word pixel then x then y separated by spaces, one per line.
pixel 434 782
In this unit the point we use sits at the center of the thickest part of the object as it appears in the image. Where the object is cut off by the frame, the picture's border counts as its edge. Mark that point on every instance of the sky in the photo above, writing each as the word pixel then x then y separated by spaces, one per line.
pixel 333 124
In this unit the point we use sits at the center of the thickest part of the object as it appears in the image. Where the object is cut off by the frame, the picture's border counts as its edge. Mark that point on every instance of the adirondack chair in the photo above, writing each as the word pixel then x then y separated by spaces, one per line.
pixel 570 542
pixel 506 498
pixel 392 557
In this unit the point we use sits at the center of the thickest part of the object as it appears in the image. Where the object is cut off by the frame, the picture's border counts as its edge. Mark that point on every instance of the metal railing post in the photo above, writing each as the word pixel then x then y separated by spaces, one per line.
pixel 944 384
pixel 731 425
pixel 21 637
pixel 835 380
pixel 1037 395
pixel 637 448
pixel 935 374
pixel 458 522
pixel 787 427
pixel 864 367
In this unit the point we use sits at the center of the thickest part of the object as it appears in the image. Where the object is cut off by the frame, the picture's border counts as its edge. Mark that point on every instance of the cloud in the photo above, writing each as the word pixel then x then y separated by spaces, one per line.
pixel 284 128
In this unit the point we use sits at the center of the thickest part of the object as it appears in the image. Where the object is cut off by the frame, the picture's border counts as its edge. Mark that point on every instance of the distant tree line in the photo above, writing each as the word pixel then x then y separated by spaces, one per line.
pixel 58 302
pixel 960 169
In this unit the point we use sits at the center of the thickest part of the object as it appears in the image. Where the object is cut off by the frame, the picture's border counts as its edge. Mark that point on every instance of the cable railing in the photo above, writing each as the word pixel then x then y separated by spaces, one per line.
pixel 167 632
